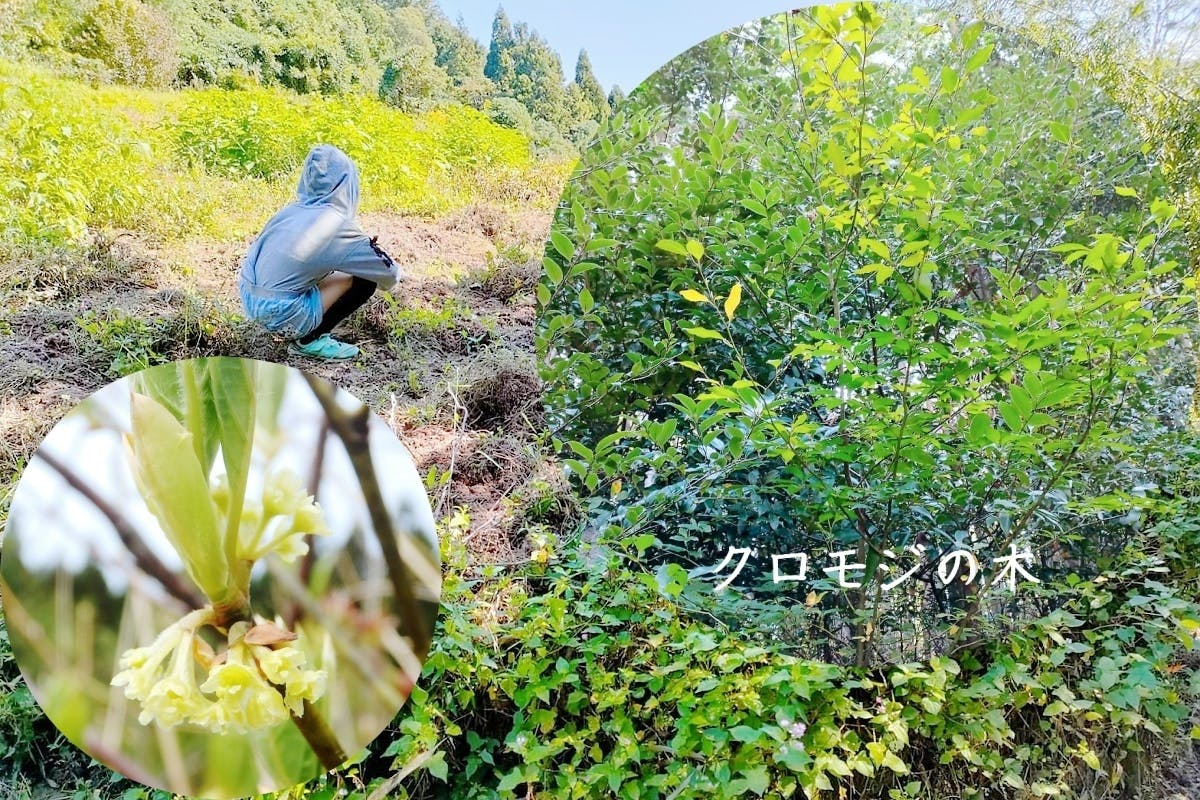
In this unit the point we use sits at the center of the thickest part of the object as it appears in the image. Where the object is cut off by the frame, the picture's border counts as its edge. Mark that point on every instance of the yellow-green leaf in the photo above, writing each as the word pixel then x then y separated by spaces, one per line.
pixel 694 249
pixel 1125 191
pixel 175 488
pixel 893 762
pixel 881 271
pixel 733 300
pixel 949 80
pixel 703 333
pixel 866 244
pixel 980 57
pixel 970 34
pixel 672 247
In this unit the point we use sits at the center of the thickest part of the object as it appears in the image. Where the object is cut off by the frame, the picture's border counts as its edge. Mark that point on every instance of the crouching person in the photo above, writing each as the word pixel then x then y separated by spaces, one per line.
pixel 312 266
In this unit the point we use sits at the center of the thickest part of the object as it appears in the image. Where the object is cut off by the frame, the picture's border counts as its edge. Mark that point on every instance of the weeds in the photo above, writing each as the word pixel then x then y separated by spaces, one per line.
pixel 507 276
pixel 130 342
pixel 452 326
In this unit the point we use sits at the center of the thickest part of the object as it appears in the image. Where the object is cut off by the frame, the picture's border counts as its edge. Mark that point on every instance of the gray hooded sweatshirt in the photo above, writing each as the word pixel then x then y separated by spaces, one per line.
pixel 318 233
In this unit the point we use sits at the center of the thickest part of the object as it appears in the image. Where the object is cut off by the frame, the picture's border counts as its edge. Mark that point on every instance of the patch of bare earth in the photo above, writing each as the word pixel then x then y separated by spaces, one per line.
pixel 447 355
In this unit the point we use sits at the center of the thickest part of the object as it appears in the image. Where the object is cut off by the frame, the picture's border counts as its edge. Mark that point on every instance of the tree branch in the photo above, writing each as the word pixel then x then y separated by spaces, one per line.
pixel 353 428
pixel 146 560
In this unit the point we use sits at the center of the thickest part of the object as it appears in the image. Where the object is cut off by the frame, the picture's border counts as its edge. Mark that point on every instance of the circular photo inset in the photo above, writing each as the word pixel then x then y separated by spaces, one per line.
pixel 220 576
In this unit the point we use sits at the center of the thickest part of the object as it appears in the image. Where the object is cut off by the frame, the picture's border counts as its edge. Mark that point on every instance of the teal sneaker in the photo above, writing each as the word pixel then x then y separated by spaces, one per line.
pixel 325 348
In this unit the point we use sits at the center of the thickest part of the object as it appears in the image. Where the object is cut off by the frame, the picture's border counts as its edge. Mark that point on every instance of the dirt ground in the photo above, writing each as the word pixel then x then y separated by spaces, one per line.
pixel 447 355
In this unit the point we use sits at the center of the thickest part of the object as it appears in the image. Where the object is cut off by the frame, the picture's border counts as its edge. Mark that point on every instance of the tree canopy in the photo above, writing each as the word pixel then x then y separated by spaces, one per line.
pixel 405 51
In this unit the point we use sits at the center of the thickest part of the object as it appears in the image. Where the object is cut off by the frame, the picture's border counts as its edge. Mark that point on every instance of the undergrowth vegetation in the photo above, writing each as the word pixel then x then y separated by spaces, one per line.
pixel 588 679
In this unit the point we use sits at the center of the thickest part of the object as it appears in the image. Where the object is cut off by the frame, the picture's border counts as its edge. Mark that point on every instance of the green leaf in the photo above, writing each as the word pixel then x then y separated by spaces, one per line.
pixel 981 430
pixel 600 244
pixel 980 57
pixel 1012 418
pixel 163 385
pixel 924 279
pixel 437 767
pixel 1060 131
pixel 1125 191
pixel 586 302
pixel 1022 401
pixel 230 382
pixel 758 780
pixel 744 733
pixel 511 779
pixel 553 270
pixel 270 385
pixel 562 245
pixel 754 206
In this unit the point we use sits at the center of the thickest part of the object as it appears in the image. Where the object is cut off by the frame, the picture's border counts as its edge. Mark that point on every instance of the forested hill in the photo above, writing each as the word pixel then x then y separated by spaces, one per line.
pixel 406 52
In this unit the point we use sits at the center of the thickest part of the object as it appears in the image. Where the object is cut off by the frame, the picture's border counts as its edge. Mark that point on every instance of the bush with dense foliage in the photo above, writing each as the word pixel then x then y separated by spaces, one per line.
pixel 858 285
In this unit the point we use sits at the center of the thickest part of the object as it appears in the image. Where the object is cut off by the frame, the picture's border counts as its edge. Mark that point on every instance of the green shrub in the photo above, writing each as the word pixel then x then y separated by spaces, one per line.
pixel 509 113
pixel 855 285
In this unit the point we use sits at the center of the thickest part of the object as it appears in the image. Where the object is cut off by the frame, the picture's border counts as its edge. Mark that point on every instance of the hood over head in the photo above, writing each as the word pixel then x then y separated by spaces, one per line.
pixel 329 178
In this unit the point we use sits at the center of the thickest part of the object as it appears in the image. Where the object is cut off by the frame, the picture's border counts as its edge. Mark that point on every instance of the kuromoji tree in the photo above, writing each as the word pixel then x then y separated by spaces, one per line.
pixel 847 280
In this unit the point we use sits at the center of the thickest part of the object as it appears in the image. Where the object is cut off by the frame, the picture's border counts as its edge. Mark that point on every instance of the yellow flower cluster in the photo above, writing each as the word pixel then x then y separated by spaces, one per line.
pixel 286 515
pixel 250 687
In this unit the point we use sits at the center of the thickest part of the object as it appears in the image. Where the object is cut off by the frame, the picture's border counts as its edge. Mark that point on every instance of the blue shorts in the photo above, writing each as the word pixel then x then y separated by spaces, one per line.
pixel 291 314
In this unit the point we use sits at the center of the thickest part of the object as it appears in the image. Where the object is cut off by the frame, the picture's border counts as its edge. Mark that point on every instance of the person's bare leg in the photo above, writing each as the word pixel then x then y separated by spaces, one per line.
pixel 334 286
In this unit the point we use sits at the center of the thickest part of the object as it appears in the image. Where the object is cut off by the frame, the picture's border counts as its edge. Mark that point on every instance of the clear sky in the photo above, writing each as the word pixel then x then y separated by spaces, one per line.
pixel 626 40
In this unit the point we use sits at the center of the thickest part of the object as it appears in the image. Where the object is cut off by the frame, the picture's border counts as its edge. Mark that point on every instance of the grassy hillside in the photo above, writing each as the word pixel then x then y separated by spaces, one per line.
pixel 209 161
